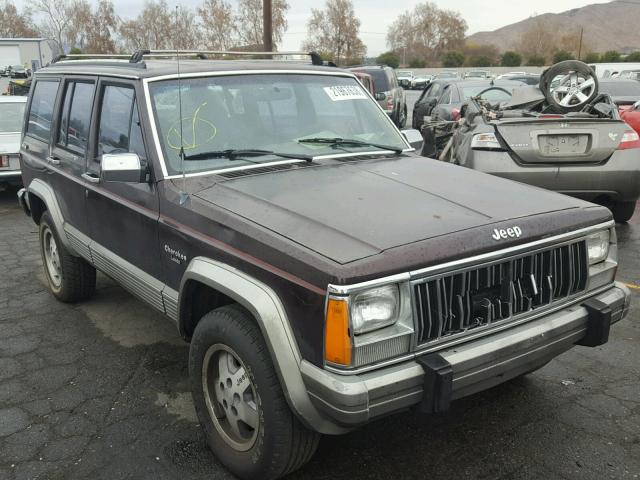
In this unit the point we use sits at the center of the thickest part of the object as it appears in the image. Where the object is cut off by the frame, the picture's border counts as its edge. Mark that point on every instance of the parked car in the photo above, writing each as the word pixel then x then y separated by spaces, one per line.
pixel 621 91
pixel 389 93
pixel 4 72
pixel 404 78
pixel 324 275
pixel 631 115
pixel 427 101
pixel 570 139
pixel 420 81
pixel 448 75
pixel 367 81
pixel 11 120
pixel 18 87
pixel 630 74
pixel 446 109
pixel 18 71
pixel 477 74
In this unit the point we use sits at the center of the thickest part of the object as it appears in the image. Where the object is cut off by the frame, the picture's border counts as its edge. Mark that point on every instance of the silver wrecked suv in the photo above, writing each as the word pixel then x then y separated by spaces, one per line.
pixel 567 137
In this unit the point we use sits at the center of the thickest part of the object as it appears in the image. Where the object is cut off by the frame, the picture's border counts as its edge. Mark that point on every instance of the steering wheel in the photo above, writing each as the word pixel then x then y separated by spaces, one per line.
pixel 493 87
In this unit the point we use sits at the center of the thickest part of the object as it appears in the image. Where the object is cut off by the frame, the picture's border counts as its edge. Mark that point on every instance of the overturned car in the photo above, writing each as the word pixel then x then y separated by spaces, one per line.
pixel 563 135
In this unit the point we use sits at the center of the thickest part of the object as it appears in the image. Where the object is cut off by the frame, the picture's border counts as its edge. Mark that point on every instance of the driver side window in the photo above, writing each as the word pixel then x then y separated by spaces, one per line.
pixel 119 128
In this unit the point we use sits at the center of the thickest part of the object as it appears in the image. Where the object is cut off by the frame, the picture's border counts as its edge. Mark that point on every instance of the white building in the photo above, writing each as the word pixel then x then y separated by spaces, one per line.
pixel 31 53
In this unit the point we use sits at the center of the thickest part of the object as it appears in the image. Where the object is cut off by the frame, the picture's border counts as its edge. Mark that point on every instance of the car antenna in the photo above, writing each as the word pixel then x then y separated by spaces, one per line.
pixel 184 196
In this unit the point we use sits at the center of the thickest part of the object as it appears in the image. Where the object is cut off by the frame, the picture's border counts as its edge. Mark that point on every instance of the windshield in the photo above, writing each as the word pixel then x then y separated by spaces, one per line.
pixel 11 117
pixel 447 75
pixel 266 112
pixel 404 73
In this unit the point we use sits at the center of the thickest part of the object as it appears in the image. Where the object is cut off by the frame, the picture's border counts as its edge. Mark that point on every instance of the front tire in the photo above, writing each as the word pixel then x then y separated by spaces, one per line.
pixel 239 400
pixel 70 278
pixel 623 211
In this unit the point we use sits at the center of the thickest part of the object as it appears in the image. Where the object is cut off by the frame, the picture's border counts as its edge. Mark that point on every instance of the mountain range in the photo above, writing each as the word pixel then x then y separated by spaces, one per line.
pixel 607 26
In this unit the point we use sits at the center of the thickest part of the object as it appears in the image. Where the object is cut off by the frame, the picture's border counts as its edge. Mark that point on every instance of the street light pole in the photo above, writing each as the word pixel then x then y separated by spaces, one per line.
pixel 267 14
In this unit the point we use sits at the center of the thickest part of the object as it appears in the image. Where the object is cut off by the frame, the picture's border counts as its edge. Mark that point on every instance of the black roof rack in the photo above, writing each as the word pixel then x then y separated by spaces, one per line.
pixel 137 58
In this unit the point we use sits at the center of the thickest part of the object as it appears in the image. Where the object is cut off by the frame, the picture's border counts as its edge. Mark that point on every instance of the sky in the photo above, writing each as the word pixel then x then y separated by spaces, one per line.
pixel 376 15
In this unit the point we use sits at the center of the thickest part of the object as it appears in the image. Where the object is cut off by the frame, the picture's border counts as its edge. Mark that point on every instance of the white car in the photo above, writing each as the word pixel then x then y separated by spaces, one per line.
pixel 11 119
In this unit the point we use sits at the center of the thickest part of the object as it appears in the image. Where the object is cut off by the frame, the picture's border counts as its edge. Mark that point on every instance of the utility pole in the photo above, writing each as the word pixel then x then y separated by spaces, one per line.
pixel 267 14
pixel 580 47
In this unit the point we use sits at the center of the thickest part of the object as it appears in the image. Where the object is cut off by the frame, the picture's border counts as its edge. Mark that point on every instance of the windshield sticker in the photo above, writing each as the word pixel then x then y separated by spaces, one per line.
pixel 345 92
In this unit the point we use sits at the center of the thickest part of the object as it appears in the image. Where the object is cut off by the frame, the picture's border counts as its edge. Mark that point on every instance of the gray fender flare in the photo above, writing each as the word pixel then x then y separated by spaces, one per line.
pixel 43 191
pixel 265 306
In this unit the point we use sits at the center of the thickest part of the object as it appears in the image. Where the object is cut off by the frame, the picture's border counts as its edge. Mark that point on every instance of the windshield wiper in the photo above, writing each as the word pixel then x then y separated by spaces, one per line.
pixel 335 142
pixel 241 154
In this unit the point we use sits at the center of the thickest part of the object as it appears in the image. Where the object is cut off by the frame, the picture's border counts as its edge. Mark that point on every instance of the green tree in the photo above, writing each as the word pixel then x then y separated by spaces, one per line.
pixel 511 59
pixel 610 57
pixel 417 63
pixel 389 58
pixel 536 61
pixel 75 51
pixel 561 56
pixel 591 57
pixel 479 61
pixel 452 59
pixel 633 57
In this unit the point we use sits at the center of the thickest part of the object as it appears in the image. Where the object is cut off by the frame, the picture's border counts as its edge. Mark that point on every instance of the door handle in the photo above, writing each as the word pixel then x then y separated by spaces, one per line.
pixel 91 177
pixel 53 160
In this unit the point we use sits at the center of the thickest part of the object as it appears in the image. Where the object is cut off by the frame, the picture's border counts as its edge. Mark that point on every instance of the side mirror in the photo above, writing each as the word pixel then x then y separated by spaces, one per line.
pixel 380 96
pixel 122 167
pixel 414 137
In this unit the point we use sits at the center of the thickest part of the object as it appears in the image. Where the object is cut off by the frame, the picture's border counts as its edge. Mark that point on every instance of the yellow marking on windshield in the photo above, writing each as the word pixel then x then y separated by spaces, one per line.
pixel 173 130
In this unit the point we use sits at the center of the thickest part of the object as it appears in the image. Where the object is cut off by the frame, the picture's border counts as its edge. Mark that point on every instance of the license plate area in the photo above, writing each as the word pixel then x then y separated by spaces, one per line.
pixel 563 145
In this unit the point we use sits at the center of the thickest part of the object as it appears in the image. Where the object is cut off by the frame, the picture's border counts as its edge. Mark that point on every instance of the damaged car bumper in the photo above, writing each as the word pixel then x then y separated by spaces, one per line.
pixel 618 178
pixel 434 379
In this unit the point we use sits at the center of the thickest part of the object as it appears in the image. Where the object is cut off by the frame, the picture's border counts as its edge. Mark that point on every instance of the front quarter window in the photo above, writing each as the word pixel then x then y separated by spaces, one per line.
pixel 270 112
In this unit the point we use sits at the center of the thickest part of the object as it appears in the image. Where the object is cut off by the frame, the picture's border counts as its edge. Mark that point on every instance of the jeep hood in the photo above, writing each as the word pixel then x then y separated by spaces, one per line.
pixel 352 210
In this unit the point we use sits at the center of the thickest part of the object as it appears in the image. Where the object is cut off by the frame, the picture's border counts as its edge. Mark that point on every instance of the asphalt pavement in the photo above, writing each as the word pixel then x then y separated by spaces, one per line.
pixel 99 390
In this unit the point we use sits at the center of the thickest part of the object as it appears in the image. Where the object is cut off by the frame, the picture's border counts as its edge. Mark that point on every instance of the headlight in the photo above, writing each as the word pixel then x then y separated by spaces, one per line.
pixel 485 141
pixel 598 246
pixel 368 326
pixel 374 309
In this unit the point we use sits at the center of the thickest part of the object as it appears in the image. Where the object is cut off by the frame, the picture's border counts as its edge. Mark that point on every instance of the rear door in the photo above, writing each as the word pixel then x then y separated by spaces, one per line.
pixel 69 149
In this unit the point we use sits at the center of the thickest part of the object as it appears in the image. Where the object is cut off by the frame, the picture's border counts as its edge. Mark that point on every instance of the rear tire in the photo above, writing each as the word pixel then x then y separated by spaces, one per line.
pixel 623 211
pixel 70 278
pixel 233 380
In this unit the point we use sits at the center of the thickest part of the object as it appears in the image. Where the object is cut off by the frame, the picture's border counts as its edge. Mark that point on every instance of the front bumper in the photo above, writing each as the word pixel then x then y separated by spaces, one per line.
pixel 618 178
pixel 352 400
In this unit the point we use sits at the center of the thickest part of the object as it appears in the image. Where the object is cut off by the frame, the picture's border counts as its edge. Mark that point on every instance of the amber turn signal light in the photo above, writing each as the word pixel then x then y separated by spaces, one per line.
pixel 337 340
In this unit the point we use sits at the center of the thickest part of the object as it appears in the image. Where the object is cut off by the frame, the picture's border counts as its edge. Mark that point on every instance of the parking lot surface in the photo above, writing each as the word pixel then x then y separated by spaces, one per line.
pixel 100 390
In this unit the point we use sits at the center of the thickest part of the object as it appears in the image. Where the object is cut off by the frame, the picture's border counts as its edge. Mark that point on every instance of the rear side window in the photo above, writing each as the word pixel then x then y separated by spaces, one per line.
pixel 76 116
pixel 119 130
pixel 41 111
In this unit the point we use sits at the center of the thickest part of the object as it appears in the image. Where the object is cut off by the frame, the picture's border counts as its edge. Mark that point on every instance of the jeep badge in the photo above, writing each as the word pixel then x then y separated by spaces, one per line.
pixel 513 232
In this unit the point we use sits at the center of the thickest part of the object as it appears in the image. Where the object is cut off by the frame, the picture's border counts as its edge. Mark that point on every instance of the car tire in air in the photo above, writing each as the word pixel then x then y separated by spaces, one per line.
pixel 70 278
pixel 239 400
pixel 623 211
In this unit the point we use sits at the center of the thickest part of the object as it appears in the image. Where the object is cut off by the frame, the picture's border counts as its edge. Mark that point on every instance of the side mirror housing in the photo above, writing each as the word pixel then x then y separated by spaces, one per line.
pixel 414 137
pixel 380 96
pixel 122 167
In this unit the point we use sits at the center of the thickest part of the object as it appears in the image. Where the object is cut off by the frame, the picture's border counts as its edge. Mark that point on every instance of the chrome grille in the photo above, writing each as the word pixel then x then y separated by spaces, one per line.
pixel 464 300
